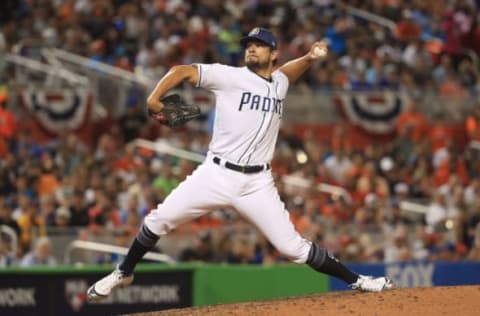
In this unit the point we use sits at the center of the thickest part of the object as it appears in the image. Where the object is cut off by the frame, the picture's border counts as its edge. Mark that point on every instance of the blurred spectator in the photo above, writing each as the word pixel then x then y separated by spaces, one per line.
pixel 47 209
pixel 233 250
pixel 166 181
pixel 453 165
pixel 106 148
pixel 78 211
pixel 467 75
pixel 419 250
pixel 472 124
pixel 406 29
pixel 474 253
pixel 453 30
pixel 338 164
pixel 412 121
pixel 62 217
pixel 7 123
pixel 41 255
pixel 133 120
pixel 439 212
pixel 7 179
pixel 367 215
pixel 6 217
pixel 471 221
pixel 441 71
pixel 7 258
pixel 130 216
pixel 394 215
pixel 355 66
pixel 371 182
pixel 399 250
pixel 48 181
pixel 375 73
pixel 452 88
pixel 122 238
pixel 203 250
pixel 103 216
pixel 31 224
pixel 229 37
pixel 336 35
pixel 440 137
pixel 471 192
pixel 337 212
pixel 339 140
pixel 297 215
pixel 416 57
pixel 127 161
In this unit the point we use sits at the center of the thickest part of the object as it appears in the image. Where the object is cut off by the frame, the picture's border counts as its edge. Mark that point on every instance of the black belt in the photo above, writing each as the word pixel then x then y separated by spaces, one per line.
pixel 243 169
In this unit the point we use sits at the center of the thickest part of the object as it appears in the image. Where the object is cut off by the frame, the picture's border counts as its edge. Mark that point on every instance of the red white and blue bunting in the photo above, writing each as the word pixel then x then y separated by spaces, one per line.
pixel 58 111
pixel 374 112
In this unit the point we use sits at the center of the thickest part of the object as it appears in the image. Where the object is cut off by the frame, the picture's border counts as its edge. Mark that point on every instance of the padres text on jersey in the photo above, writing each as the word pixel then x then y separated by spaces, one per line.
pixel 248 112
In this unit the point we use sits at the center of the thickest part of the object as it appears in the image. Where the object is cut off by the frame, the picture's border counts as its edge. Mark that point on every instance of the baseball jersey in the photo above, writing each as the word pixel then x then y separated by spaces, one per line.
pixel 248 112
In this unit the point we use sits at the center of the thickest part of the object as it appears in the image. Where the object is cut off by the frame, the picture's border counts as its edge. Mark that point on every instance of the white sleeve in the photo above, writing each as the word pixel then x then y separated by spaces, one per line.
pixel 211 76
pixel 283 80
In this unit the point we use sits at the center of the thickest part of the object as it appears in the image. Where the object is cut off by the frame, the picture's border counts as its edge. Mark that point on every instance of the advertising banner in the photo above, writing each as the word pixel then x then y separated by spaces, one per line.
pixel 64 294
pixel 418 274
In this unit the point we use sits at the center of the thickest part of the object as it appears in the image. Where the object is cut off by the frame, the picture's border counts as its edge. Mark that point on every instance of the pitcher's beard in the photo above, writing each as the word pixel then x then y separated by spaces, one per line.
pixel 255 66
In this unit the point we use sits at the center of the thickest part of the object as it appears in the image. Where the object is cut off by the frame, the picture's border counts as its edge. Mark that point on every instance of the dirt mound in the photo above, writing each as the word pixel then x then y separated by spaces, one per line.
pixel 455 300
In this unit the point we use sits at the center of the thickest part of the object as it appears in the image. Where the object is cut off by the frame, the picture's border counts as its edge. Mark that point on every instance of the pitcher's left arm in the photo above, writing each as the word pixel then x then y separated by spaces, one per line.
pixel 296 67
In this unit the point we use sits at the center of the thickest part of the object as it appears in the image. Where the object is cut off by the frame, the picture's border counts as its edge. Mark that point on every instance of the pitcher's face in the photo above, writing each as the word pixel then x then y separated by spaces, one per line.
pixel 259 55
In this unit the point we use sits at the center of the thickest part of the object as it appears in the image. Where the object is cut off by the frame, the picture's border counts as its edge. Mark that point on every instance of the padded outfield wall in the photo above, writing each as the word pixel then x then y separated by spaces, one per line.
pixel 61 290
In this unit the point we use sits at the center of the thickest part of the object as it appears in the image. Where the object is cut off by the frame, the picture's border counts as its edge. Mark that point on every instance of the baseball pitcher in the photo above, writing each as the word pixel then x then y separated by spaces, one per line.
pixel 236 171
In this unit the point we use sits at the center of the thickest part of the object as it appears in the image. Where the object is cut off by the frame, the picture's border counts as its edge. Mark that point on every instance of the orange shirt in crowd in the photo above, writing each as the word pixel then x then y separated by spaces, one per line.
pixel 279 168
pixel 439 135
pixel 300 222
pixel 7 124
pixel 126 164
pixel 27 223
pixel 336 212
pixel 3 148
pixel 407 30
pixel 451 88
pixel 473 128
pixel 443 172
pixel 416 120
pixel 47 184
pixel 341 142
pixel 366 184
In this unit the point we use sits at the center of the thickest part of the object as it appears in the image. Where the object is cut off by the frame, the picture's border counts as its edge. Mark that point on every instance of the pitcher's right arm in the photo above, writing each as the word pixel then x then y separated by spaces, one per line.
pixel 175 76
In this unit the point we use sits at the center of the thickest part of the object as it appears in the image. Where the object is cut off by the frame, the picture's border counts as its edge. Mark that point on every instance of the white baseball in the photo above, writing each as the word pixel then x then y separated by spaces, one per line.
pixel 319 52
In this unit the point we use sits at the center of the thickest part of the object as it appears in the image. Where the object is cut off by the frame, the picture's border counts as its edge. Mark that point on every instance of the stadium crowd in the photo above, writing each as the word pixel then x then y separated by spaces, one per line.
pixel 108 187
pixel 429 44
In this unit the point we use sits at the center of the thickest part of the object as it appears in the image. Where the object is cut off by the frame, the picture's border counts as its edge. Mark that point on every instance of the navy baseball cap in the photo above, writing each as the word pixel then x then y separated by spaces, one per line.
pixel 260 34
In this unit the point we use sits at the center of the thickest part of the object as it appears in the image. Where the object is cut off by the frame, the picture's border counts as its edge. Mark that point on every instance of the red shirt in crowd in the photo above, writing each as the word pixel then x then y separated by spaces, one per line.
pixel 416 121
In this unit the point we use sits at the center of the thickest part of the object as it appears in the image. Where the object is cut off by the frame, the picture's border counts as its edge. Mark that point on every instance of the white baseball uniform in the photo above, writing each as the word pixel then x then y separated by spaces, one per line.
pixel 247 119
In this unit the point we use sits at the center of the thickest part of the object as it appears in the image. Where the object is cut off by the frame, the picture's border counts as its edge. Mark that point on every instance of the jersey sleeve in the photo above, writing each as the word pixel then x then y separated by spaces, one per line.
pixel 282 79
pixel 211 76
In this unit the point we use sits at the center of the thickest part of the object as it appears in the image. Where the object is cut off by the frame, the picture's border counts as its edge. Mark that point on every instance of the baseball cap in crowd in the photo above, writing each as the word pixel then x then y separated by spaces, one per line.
pixel 260 34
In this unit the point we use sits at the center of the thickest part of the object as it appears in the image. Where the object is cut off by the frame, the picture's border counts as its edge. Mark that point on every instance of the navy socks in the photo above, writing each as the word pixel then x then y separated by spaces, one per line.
pixel 144 241
pixel 322 261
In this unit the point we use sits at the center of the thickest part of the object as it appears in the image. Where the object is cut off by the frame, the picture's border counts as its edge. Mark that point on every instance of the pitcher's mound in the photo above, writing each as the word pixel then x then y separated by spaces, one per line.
pixel 455 300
